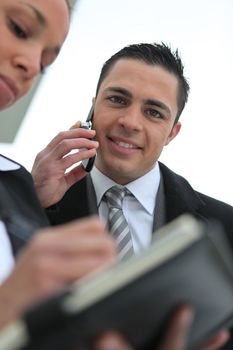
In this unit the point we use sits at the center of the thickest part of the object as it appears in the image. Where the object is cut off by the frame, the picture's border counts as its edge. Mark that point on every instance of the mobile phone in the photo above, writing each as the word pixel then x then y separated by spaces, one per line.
pixel 88 164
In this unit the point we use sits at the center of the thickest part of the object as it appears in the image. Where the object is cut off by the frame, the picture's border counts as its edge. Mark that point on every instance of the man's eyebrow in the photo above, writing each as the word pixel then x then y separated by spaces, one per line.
pixel 159 104
pixel 127 93
pixel 37 13
pixel 119 90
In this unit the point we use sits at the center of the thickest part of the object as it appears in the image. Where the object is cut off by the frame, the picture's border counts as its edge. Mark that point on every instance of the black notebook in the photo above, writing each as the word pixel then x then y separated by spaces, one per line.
pixel 187 262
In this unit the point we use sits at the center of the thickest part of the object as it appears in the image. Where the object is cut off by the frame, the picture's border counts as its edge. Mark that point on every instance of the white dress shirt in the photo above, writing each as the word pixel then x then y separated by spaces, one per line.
pixel 6 254
pixel 138 209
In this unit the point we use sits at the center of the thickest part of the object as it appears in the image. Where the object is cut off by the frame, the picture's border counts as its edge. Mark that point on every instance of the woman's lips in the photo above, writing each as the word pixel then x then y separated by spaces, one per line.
pixel 8 90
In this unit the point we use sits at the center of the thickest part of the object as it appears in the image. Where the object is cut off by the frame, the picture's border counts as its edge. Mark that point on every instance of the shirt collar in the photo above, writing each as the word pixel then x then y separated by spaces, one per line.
pixel 101 183
pixel 144 188
pixel 7 164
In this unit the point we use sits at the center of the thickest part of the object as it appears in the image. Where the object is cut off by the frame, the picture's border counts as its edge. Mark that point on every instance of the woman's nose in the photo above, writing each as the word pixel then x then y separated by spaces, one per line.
pixel 29 65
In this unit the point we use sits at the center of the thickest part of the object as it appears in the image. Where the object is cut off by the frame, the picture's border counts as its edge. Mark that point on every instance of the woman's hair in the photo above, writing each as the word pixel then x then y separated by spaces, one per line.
pixel 69 5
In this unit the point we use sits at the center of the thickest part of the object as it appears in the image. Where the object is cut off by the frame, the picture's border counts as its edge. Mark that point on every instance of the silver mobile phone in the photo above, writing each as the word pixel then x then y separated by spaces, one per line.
pixel 88 164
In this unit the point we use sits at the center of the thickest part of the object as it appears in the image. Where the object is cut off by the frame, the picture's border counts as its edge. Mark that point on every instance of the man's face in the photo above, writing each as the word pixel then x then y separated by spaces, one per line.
pixel 134 116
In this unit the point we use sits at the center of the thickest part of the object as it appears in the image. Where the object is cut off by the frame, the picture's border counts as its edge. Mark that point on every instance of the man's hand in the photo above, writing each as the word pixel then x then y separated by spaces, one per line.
pixel 175 337
pixel 49 171
pixel 54 258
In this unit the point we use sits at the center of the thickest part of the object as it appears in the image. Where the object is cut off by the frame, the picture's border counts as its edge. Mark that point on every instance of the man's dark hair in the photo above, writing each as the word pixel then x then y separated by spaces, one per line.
pixel 153 54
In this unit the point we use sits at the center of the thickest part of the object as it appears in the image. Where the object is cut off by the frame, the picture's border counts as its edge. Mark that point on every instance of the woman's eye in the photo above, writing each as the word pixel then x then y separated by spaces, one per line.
pixel 18 31
pixel 42 69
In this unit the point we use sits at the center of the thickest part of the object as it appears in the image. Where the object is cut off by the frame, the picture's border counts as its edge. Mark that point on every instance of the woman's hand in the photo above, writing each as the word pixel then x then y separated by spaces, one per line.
pixel 175 336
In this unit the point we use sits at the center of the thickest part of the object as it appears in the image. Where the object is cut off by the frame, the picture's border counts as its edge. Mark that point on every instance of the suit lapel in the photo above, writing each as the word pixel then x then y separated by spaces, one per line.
pixel 175 197
pixel 160 207
pixel 78 202
pixel 91 196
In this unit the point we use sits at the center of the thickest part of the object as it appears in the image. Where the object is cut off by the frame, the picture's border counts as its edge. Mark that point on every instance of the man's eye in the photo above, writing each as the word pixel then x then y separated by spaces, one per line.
pixel 116 99
pixel 153 113
pixel 18 31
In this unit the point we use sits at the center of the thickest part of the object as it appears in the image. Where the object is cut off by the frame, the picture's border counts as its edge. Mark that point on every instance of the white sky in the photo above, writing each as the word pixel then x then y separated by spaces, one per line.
pixel 202 30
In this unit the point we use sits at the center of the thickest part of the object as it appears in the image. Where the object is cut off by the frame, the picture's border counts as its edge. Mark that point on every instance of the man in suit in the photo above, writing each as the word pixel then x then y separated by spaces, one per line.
pixel 140 96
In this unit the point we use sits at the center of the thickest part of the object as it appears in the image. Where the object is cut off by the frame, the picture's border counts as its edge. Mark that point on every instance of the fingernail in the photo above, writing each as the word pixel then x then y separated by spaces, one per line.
pixel 187 317
pixel 110 343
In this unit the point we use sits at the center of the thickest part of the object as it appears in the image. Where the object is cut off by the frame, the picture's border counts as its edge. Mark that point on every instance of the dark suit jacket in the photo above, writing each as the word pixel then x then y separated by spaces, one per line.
pixel 177 197
pixel 20 209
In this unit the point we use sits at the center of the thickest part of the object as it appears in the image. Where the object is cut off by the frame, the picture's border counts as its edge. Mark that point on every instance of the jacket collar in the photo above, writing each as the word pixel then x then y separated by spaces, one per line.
pixel 7 164
pixel 179 195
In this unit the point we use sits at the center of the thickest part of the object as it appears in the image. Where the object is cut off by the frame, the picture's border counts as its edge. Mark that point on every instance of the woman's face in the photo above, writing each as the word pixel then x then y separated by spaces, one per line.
pixel 31 35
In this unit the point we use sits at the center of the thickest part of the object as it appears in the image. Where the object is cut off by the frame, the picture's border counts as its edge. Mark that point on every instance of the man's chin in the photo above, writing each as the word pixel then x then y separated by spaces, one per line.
pixel 118 170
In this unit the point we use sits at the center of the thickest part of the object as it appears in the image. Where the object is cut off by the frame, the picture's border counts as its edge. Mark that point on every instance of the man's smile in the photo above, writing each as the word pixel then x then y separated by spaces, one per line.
pixel 122 145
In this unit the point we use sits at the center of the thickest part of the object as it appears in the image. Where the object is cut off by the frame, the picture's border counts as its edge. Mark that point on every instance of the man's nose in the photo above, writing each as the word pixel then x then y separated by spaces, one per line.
pixel 131 119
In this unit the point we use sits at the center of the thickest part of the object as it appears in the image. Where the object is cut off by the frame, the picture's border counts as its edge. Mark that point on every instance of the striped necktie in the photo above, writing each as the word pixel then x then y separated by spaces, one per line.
pixel 117 223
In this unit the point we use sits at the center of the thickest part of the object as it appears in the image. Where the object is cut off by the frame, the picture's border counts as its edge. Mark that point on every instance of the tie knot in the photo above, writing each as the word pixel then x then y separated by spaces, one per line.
pixel 114 196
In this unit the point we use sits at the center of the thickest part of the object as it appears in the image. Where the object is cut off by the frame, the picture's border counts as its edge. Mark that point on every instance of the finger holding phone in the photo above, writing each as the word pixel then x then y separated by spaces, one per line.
pixel 64 161
pixel 88 163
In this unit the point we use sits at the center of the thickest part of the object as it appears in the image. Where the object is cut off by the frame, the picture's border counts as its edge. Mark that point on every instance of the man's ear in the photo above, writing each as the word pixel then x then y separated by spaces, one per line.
pixel 174 132
pixel 93 107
